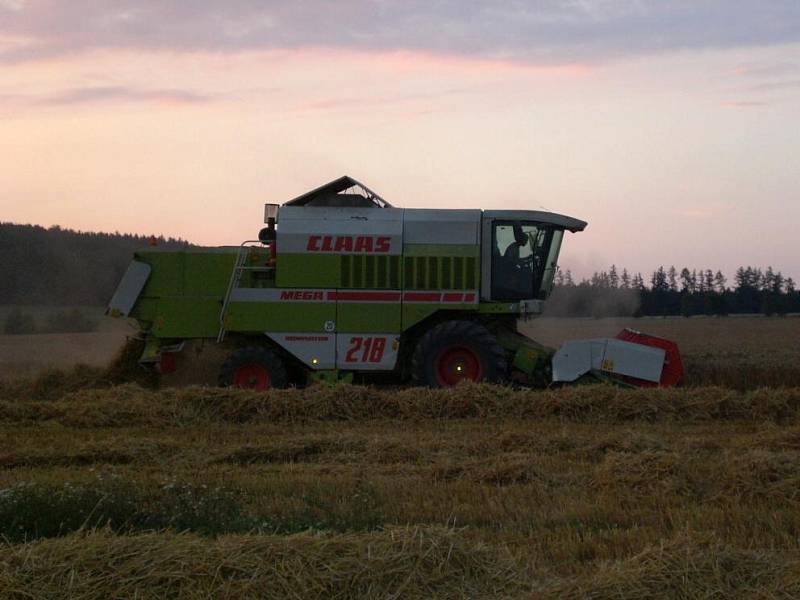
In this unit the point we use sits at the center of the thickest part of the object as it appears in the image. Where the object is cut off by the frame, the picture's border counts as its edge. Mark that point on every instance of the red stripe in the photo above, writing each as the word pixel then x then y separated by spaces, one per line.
pixel 469 297
pixel 422 297
pixel 452 297
pixel 364 296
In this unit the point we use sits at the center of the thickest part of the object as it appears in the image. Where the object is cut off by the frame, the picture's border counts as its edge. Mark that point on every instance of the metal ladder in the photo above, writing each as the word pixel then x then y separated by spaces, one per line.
pixel 236 276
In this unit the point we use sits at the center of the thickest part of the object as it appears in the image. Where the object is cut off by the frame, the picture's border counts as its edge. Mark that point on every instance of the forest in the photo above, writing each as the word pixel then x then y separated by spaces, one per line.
pixel 670 291
pixel 61 267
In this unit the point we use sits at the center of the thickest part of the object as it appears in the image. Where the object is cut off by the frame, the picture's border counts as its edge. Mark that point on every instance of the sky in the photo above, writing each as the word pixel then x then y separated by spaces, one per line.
pixel 672 127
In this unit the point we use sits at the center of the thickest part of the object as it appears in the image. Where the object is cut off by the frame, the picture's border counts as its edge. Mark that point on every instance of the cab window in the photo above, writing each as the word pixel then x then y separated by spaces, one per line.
pixel 519 254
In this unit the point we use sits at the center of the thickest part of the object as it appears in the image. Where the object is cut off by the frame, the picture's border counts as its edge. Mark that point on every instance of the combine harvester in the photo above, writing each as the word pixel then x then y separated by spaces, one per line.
pixel 340 283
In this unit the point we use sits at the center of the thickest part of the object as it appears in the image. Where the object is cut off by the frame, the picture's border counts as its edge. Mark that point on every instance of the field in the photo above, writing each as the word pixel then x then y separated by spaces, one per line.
pixel 31 354
pixel 481 491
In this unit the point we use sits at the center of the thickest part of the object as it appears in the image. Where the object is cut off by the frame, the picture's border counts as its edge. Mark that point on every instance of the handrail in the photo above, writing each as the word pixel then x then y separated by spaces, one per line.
pixel 238 267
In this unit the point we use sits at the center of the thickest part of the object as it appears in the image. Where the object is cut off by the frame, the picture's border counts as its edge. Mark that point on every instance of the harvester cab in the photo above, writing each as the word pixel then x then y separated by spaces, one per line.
pixel 341 283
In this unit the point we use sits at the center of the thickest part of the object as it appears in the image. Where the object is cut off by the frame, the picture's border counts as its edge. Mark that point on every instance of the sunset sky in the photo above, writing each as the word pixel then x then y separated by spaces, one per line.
pixel 673 128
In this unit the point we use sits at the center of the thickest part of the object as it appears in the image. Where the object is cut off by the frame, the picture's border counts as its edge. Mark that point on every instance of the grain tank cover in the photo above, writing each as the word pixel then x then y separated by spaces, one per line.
pixel 344 192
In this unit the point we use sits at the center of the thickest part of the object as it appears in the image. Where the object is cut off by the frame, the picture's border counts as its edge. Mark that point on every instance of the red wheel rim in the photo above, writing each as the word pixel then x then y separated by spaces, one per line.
pixel 457 363
pixel 252 377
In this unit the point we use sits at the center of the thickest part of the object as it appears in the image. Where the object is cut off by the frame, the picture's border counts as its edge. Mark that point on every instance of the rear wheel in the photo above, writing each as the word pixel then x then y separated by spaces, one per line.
pixel 456 351
pixel 253 368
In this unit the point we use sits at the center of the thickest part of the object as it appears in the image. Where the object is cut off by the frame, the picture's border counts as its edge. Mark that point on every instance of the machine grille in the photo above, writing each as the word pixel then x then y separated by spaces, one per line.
pixel 440 273
pixel 418 272
pixel 370 271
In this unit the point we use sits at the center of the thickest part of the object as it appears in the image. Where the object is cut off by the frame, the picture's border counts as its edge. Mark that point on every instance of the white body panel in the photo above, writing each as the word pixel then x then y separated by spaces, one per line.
pixel 608 355
pixel 357 351
pixel 316 350
pixel 324 230
pixel 441 226
pixel 367 351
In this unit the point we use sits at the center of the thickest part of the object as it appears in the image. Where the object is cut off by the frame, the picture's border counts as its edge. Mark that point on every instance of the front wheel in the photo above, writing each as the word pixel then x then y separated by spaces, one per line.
pixel 456 351
pixel 253 368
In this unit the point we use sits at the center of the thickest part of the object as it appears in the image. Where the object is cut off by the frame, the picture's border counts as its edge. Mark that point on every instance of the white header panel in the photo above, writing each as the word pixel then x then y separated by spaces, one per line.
pixel 331 213
pixel 441 226
pixel 318 230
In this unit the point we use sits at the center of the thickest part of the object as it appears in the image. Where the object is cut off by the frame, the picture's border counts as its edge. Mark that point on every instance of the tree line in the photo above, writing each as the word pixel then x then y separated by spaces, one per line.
pixel 669 291
pixel 62 267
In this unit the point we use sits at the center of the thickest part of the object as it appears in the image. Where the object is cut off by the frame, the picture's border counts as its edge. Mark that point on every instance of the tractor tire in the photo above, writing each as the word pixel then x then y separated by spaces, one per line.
pixel 254 368
pixel 455 351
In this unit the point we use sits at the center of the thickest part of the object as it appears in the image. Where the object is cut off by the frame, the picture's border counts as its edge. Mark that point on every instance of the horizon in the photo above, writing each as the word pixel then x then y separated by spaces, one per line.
pixel 670 128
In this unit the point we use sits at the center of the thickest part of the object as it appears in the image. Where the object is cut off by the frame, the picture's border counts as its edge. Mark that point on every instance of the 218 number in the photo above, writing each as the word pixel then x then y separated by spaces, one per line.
pixel 366 349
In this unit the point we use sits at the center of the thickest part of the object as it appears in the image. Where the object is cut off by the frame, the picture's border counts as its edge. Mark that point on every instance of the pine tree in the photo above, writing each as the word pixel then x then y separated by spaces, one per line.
pixel 613 278
pixel 768 282
pixel 686 280
pixel 625 280
pixel 659 280
pixel 709 277
pixel 758 279
pixel 672 279
pixel 719 282
pixel 743 279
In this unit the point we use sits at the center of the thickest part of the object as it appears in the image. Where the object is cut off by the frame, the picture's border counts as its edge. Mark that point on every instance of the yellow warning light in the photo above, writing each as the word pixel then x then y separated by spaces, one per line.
pixel 314 361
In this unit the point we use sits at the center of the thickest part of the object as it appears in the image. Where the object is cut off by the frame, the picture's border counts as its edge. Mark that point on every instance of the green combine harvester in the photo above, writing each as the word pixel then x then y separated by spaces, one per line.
pixel 342 284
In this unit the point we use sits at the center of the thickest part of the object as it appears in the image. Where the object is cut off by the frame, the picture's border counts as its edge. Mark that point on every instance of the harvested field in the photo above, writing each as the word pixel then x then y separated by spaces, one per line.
pixel 35 353
pixel 350 491
pixel 479 491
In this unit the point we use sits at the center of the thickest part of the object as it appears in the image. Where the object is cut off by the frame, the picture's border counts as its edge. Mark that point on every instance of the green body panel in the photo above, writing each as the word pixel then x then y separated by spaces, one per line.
pixel 308 271
pixel 187 317
pixel 499 308
pixel 441 272
pixel 145 311
pixel 415 313
pixel 184 294
pixel 368 318
pixel 207 274
pixel 166 275
pixel 258 317
pixel 187 272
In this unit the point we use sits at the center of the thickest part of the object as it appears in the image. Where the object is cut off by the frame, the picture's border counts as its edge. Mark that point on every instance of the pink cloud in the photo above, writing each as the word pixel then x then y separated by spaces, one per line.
pixel 743 103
